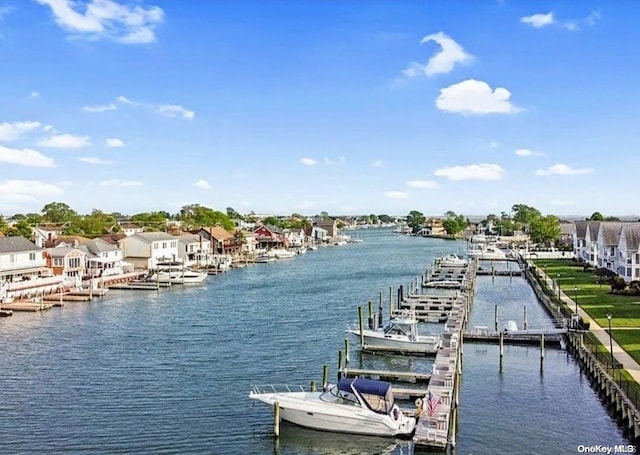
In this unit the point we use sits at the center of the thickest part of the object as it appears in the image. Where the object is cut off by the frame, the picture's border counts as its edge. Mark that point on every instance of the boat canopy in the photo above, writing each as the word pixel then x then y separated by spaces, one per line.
pixel 377 395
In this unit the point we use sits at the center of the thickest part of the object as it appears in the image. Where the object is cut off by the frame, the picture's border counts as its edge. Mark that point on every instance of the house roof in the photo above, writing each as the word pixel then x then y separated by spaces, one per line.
pixel 113 238
pixel 593 227
pixel 218 233
pixel 186 237
pixel 152 236
pixel 61 252
pixel 78 239
pixel 610 232
pixel 581 229
pixel 567 228
pixel 97 246
pixel 632 235
pixel 17 245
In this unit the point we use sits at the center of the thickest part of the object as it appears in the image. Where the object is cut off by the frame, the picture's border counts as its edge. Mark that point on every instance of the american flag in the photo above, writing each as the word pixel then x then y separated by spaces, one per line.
pixel 432 403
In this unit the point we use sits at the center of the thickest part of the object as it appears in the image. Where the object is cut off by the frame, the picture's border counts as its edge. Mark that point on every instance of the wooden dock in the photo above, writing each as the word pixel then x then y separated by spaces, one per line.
pixel 552 337
pixel 493 272
pixel 27 306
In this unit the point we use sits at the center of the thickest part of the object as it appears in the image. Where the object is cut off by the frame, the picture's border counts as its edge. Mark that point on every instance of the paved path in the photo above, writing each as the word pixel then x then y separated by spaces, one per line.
pixel 600 333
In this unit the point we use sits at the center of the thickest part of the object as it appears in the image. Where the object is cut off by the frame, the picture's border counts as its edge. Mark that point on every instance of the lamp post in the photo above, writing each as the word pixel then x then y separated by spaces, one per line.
pixel 575 296
pixel 610 340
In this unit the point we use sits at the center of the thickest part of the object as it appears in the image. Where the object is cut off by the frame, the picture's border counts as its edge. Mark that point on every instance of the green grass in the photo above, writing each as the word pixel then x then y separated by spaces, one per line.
pixel 595 299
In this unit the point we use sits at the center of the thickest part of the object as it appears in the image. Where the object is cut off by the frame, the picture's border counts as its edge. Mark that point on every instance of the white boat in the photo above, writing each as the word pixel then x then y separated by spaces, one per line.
pixel 357 406
pixel 264 258
pixel 451 260
pixel 399 335
pixel 177 273
pixel 446 284
pixel 487 253
pixel 281 253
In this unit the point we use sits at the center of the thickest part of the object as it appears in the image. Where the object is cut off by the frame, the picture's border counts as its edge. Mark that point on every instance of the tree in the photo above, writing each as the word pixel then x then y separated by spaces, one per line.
pixel 611 218
pixel 21 228
pixel 239 237
pixel 454 224
pixel 385 219
pixel 57 212
pixel 596 216
pixel 196 216
pixel 545 229
pixel 155 221
pixel 94 225
pixel 324 215
pixel 231 213
pixel 4 227
pixel 272 221
pixel 415 220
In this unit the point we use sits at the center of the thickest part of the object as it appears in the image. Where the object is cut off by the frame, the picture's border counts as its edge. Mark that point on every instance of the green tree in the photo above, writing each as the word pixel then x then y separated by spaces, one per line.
pixel 454 224
pixel 196 216
pixel 4 227
pixel 611 218
pixel 545 230
pixel 21 228
pixel 231 213
pixel 596 216
pixel 272 221
pixel 524 215
pixel 415 220
pixel 57 212
pixel 385 218
pixel 154 221
pixel 94 225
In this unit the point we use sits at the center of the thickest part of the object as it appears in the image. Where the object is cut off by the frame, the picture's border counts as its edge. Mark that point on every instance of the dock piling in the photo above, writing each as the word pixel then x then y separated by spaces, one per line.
pixel 541 346
pixel 390 300
pixel 340 363
pixel 325 377
pixel 276 419
pixel 501 343
pixel 313 386
pixel 495 317
pixel 346 350
pixel 525 317
pixel 361 326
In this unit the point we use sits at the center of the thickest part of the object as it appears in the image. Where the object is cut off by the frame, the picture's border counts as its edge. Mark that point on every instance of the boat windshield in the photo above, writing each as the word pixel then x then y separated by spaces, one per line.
pixel 377 395
pixel 396 328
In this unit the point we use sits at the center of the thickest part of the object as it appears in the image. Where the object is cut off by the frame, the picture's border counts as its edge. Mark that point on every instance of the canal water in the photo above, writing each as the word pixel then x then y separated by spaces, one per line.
pixel 169 372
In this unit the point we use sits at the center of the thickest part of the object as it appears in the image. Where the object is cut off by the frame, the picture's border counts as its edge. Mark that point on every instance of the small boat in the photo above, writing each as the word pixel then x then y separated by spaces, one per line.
pixel 265 258
pixel 357 406
pixel 177 273
pixel 399 335
pixel 281 253
pixel 446 284
pixel 487 253
pixel 451 260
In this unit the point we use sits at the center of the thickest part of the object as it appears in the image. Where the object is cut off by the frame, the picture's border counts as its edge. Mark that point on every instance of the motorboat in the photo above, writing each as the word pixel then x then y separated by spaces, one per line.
pixel 264 258
pixel 487 253
pixel 451 260
pixel 357 406
pixel 447 284
pixel 177 273
pixel 281 253
pixel 399 335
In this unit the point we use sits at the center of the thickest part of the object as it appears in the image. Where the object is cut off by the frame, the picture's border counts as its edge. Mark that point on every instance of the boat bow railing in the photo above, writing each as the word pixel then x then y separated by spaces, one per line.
pixel 276 388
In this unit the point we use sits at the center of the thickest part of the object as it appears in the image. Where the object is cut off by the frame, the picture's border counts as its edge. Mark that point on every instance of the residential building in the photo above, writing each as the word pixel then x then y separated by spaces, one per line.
pixel 105 259
pixel 270 237
pixel 146 249
pixel 68 262
pixel 331 226
pixel 194 249
pixel 628 265
pixel 607 244
pixel 130 228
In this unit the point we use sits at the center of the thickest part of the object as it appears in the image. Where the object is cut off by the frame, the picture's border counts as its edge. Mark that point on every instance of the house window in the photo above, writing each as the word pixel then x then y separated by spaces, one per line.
pixel 637 272
pixel 174 244
pixel 628 271
pixel 164 245
pixel 155 246
pixel 57 262
pixel 32 256
pixel 637 258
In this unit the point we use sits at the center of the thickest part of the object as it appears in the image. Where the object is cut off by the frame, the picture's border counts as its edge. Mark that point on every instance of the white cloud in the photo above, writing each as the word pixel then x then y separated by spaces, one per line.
pixel 95 160
pixel 125 100
pixel 106 19
pixel 308 161
pixel 34 95
pixel 27 190
pixel 577 24
pixel 475 97
pixel 25 157
pixel 120 183
pixel 13 131
pixel 396 194
pixel 102 108
pixel 114 142
pixel 527 152
pixel 202 184
pixel 331 162
pixel 493 144
pixel 538 20
pixel 443 61
pixel 484 171
pixel 173 110
pixel 423 184
pixel 65 141
pixel 563 169
pixel 377 163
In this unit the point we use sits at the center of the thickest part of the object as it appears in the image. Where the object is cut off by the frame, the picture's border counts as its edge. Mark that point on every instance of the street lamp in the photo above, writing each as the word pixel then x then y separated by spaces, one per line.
pixel 575 296
pixel 610 340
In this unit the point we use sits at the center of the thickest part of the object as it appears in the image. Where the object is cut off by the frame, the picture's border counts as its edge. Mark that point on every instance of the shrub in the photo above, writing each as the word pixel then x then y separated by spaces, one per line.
pixel 618 284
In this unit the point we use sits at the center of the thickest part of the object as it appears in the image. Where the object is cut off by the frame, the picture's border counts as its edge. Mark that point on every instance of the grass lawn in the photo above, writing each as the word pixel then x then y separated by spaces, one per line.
pixel 595 299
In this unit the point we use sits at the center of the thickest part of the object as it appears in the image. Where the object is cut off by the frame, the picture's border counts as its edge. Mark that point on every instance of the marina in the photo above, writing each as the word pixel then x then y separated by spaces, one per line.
pixel 182 346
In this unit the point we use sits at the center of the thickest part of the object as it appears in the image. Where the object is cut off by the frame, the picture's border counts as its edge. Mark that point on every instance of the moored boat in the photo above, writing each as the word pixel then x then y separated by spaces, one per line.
pixel 177 273
pixel 357 406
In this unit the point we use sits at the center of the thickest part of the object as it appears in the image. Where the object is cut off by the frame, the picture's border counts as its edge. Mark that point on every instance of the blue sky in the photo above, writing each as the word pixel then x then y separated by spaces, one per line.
pixel 341 106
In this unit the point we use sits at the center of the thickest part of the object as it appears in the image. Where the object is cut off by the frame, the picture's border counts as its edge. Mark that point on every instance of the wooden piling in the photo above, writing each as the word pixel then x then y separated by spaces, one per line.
pixel 340 363
pixel 346 350
pixel 495 317
pixel 501 343
pixel 313 386
pixel 276 419
pixel 361 322
pixel 370 309
pixel 325 377
pixel 542 346
pixel 525 317
pixel 390 300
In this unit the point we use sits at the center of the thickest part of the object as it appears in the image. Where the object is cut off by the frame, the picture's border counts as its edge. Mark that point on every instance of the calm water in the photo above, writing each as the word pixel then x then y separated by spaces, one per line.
pixel 169 372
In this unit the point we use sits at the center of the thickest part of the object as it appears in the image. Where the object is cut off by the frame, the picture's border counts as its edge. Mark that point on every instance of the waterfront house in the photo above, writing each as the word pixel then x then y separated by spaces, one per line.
pixel 46 234
pixel 319 235
pixel 68 262
pixel 433 227
pixel 129 228
pixel 23 270
pixel 331 226
pixel 219 238
pixel 295 238
pixel 269 237
pixel 628 265
pixel 146 249
pixel 250 243
pixel 104 259
pixel 193 249
pixel 607 244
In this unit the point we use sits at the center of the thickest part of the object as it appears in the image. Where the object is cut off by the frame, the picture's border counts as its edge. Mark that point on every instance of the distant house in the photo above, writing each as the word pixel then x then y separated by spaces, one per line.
pixel 105 259
pixel 433 227
pixel 250 243
pixel 331 226
pixel 270 237
pixel 295 238
pixel 66 261
pixel 220 239
pixel 46 234
pixel 607 244
pixel 129 228
pixel 319 235
pixel 628 265
pixel 146 249
pixel 193 249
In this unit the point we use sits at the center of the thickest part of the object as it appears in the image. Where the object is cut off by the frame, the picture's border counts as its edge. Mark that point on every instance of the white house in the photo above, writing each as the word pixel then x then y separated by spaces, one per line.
pixel 250 243
pixel 295 238
pixel 146 249
pixel 130 228
pixel 104 259
pixel 607 244
pixel 590 250
pixel 628 265
pixel 194 249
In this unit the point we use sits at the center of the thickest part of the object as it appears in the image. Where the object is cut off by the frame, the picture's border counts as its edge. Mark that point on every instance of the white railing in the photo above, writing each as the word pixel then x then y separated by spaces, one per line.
pixel 276 388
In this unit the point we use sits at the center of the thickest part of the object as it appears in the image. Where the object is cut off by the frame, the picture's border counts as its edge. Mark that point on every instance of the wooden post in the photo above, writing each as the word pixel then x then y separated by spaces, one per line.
pixel 313 386
pixel 452 429
pixel 525 317
pixel 501 343
pixel 370 309
pixel 346 350
pixel 325 377
pixel 495 317
pixel 360 321
pixel 380 300
pixel 340 362
pixel 276 419
pixel 390 300
pixel 542 346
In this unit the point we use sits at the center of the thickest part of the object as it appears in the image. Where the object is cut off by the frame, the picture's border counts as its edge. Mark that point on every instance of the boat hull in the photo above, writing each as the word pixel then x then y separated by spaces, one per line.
pixel 377 340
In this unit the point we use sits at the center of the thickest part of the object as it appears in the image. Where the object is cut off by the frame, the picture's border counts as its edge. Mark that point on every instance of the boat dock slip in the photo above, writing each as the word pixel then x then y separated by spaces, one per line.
pixel 528 337
pixel 402 351
pixel 141 285
pixel 27 306
pixel 493 272
pixel 387 375
pixel 66 297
